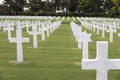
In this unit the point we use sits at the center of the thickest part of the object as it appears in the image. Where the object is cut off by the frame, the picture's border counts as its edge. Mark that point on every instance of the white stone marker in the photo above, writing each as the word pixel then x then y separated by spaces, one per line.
pixel 85 38
pixel 73 18
pixel 19 40
pixel 43 32
pixel 118 34
pixel 98 28
pixel 63 18
pixel 9 29
pixel 27 26
pixel 76 29
pixel 94 27
pixel 103 30
pixel 111 30
pixel 34 32
pixel 79 45
pixel 101 64
pixel 47 28
pixel 51 27
pixel 68 18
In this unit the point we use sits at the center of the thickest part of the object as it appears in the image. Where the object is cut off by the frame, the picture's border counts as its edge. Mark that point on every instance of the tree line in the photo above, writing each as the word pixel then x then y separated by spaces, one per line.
pixel 14 7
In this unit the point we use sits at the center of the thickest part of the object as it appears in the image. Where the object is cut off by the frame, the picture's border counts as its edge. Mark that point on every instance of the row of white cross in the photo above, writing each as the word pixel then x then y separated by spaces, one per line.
pixel 101 63
pixel 37 28
pixel 82 38
pixel 27 17
pixel 103 24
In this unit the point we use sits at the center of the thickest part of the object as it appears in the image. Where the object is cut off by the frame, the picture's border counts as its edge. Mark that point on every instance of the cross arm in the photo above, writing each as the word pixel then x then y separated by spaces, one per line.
pixel 12 40
pixel 89 64
pixel 114 63
pixel 25 40
pixel 31 33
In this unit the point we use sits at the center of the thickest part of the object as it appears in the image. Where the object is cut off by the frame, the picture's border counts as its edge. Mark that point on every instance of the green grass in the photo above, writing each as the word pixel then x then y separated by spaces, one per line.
pixel 57 58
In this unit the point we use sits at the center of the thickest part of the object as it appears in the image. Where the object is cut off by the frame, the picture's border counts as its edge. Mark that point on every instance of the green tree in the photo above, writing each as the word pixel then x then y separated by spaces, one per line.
pixel 34 6
pixel 94 5
pixel 116 7
pixel 3 9
pixel 72 5
pixel 15 5
pixel 57 4
pixel 47 6
pixel 108 5
pixel 83 4
pixel 90 5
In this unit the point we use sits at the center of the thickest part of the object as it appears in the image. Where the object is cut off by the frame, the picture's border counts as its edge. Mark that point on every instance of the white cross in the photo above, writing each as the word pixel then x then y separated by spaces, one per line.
pixel 63 18
pixel 85 38
pixel 34 32
pixel 98 27
pixel 118 34
pixel 103 30
pixel 19 40
pixel 9 28
pixel 111 30
pixel 76 32
pixel 94 27
pixel 73 18
pixel 42 29
pixel 1 24
pixel 43 32
pixel 27 26
pixel 47 28
pixel 68 18
pixel 51 27
pixel 79 45
pixel 101 64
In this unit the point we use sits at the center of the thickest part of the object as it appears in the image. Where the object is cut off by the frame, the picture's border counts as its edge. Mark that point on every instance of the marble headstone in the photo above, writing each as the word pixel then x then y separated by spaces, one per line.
pixel 19 40
pixel 101 64
pixel 111 30
pixel 34 32
pixel 85 38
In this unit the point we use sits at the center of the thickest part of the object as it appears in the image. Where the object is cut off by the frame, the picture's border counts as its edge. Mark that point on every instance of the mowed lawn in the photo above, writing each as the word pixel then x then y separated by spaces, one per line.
pixel 57 58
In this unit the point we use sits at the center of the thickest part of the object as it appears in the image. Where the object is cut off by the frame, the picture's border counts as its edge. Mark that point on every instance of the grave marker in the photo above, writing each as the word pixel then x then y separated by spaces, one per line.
pixel 98 28
pixel 85 38
pixel 34 32
pixel 73 18
pixel 43 32
pixel 68 18
pixel 9 29
pixel 19 40
pixel 101 64
pixel 63 18
pixel 103 30
pixel 118 34
pixel 111 30
pixel 48 27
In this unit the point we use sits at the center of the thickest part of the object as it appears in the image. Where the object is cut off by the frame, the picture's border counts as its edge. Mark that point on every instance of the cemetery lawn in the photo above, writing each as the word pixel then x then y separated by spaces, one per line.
pixel 57 58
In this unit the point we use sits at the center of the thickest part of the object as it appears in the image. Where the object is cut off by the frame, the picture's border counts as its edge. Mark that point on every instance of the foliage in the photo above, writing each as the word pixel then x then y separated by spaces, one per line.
pixel 116 7
pixel 90 5
pixel 72 5
pixel 34 6
pixel 83 4
pixel 116 2
pixel 15 5
pixel 95 6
